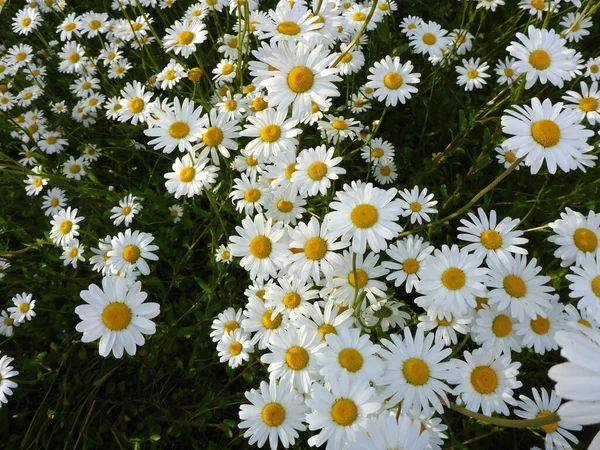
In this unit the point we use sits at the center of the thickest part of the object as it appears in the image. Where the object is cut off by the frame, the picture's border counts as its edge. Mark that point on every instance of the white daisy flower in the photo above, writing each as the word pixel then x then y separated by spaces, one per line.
pixel 276 413
pixel 338 128
pixel 315 169
pixel 100 258
pixel 52 142
pixel 414 373
pixel 539 333
pixel 585 284
pixel 387 432
pixel 366 215
pixel 289 24
pixel 385 172
pixel 392 81
pixel 429 38
pixel 461 41
pixel 65 225
pixel 409 24
pixel 576 236
pixel 358 103
pixel 6 385
pixel 117 314
pixel 72 253
pixel 545 132
pixel 293 358
pixel 332 319
pixel 24 307
pixel 472 74
pixel 223 254
pixel 514 283
pixel 417 205
pixel 7 324
pixel 130 251
pixel 218 135
pixel 226 322
pixel 445 324
pixel 74 169
pixel 408 255
pixel 285 205
pixel 134 103
pixel 433 425
pixel 176 212
pixel 171 75
pixel 127 209
pixel 182 37
pixel 290 297
pixel 340 414
pixel 490 5
pixel 587 103
pixel 542 56
pixel 378 151
pixel 261 323
pixel 235 348
pixel 485 381
pixel 495 331
pixel 352 61
pixel 507 157
pixel 249 194
pixel 54 201
pixel 272 134
pixel 190 176
pixel 234 106
pixel 543 405
pixel 575 26
pixel 506 71
pixel 385 314
pixel 537 8
pixel 593 68
pixel 34 184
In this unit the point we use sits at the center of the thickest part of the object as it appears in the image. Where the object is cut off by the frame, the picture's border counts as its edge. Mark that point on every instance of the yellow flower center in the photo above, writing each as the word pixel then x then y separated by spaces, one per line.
pixel 539 59
pixel 491 239
pixel 585 239
pixel 270 133
pixel 131 253
pixel 227 69
pixel 538 4
pixel 385 171
pixel 359 16
pixel 179 130
pixel 258 104
pixel 230 105
pixel 65 227
pixel 546 133
pixel 271 324
pixel 326 329
pixel 187 174
pixel 453 278
pixel 235 348
pixel 250 161
pixel 170 75
pixel 588 104
pixel 284 206
pixel 361 279
pixel 289 28
pixel 24 307
pixel 69 27
pixel 501 326
pixel 393 80
pixel 273 414
pixel 429 38
pixel 27 95
pixel 346 58
pixel 377 152
pixel 296 358
pixel 415 206
pixel 596 286
pixel 21 56
pixel 585 323
pixel 300 79
pixel 472 74
pixel 510 157
pixel 540 325
pixel 37 182
pixel 8 322
pixel 231 326
pixel 116 316
pixel 551 427
pixel 315 248
pixel 54 202
pixel 289 170
pixel 260 247
pixel 26 22
pixel 594 68
pixel 314 108
pixel 292 300
pixel 317 171
pixel 339 125
pixel 73 252
pixel 232 42
pixel 252 195
pixel 92 102
pixel 410 265
pixel 484 380
pixel 514 286
pixel 508 72
pixel 383 6
pixel 351 360
pixel 443 322
pixel 261 294
pixel 125 211
pixel 415 371
pixel 94 24
pixel 364 215
pixel 213 137
pixel 344 412
pixel 185 37
pixel 74 57
pixel 136 105
pixel 74 169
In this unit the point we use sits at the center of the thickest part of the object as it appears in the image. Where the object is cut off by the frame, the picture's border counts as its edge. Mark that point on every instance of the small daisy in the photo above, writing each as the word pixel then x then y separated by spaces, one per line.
pixel 249 194
pixel 261 323
pixel 507 157
pixel 408 254
pixel 542 405
pixel 226 323
pixel 414 373
pixel 593 68
pixel 117 314
pixel 74 169
pixel 276 413
pixel 409 24
pixel 72 253
pixel 358 103
pixel 130 251
pixel 290 297
pixel 388 432
pixel 485 381
pixel 7 324
pixel 378 151
pixel 417 205
pixel 54 201
pixel 539 333
pixel 65 226
pixel 24 307
pixel 235 348
pixel 472 74
pixel 190 176
pixel 271 133
pixel 392 81
pixel 352 61
pixel 537 7
pixel 331 319
pixel 35 183
pixel 171 75
pixel 4 264
pixel 585 284
pixel 575 26
pixel 6 385
pixel 446 325
pixel 461 41
pixel 100 258
pixel 223 254
pixel 288 24
pixel 285 205
pixel 134 103
pixel 385 172
pixel 490 5
pixel 576 236
pixel 315 170
pixel 176 212
pixel 234 106
pixel 218 136
pixel 338 128
pixel 495 331
pixel 385 314
pixel 506 71
pixel 429 38
pixel 587 103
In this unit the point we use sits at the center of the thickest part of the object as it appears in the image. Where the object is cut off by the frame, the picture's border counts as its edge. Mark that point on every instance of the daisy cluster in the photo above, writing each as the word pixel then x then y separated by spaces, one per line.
pixel 274 127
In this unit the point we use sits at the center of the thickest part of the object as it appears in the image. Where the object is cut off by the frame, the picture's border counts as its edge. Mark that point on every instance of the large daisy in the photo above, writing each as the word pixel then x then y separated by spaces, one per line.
pixel 576 236
pixel 271 133
pixel 392 80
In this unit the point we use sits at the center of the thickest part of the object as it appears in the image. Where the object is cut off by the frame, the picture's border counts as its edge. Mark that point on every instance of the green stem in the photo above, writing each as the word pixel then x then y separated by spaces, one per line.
pixel 354 41
pixel 507 423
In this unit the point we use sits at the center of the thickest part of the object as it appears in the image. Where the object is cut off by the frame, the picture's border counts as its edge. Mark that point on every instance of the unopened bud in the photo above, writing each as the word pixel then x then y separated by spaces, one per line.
pixel 195 74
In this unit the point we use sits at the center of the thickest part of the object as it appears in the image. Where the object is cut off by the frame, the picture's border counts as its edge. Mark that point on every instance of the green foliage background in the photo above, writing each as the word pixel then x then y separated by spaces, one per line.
pixel 174 393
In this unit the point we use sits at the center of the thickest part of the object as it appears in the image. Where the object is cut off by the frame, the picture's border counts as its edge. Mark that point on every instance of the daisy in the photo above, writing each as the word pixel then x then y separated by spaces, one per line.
pixel 6 385
pixel 250 194
pixel 485 381
pixel 542 405
pixel 580 316
pixel 349 352
pixel 545 132
pixel 70 26
pixel 225 71
pixel 358 103
pixel 176 212
pixel 34 184
pixel 285 205
pixel 24 307
pixel 537 7
pixel 182 37
pixel 461 41
pixel 303 75
pixel 385 172
pixel 7 324
pixel 585 284
pixel 74 169
pixel 171 75
pixel 417 205
pixel 385 314
pixel 218 135
pixel 190 176
pixel 261 323
pixel 489 4
pixel 433 425
pixel 100 258
pixel 576 236
pixel 258 245
pixel 117 314
pixel 4 264
pixel 451 279
pixel 341 413
pixel 587 103
pixel 26 20
pixel 542 56
pixel 391 81
pixel 539 333
pixel 65 226
pixel 495 331
pixel 575 26
pixel 414 373
pixel 378 151
pixel 130 251
pixel 226 323
pixel 387 432
pixel 365 214
pixel 271 133
pixel 429 38
pixel 234 106
pixel 21 55
pixel 276 413
pixel 507 157
pixel 288 24
pixel 235 348
pixel 356 17
pixel 593 68
pixel 487 236
pixel 409 24
pixel 223 254
pixel 72 57
pixel 127 209
pixel 293 358
pixel 446 325
pixel 134 103
pixel 290 297
pixel 337 128
pixel 516 284
pixel 330 320
pixel 315 170
pixel 408 256
pixel 94 23
pixel 352 60
pixel 472 74
pixel 72 253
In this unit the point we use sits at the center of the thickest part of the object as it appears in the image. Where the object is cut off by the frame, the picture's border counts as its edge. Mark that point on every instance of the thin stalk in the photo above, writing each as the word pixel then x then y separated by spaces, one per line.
pixel 506 423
